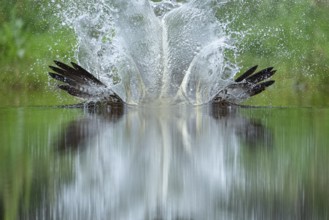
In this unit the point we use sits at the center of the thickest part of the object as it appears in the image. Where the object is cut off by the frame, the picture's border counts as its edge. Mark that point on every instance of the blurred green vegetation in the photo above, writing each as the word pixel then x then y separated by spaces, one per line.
pixel 293 36
pixel 29 42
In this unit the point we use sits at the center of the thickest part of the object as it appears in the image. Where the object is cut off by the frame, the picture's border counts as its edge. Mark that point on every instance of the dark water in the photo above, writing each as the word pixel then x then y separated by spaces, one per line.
pixel 164 163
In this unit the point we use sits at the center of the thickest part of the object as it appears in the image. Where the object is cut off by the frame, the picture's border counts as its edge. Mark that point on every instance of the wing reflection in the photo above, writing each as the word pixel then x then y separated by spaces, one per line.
pixel 78 132
pixel 250 131
pixel 155 163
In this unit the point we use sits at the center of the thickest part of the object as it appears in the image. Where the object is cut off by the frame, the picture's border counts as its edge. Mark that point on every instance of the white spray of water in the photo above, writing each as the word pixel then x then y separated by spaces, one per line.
pixel 147 51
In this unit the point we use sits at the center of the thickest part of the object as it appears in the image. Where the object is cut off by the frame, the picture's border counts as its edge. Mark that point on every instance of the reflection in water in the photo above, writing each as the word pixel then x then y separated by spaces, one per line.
pixel 81 130
pixel 157 163
pixel 250 131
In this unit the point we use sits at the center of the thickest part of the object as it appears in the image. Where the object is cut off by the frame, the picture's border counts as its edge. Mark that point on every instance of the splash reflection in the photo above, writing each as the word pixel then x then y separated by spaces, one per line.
pixel 156 163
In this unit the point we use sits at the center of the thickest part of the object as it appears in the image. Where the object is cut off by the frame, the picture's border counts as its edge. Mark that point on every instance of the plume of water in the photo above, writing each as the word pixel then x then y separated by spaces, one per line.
pixel 146 51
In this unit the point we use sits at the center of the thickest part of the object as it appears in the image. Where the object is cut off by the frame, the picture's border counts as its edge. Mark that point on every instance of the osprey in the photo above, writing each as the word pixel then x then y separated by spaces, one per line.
pixel 80 83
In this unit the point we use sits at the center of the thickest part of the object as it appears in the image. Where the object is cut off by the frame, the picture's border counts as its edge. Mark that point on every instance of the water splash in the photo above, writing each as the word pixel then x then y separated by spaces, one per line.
pixel 146 51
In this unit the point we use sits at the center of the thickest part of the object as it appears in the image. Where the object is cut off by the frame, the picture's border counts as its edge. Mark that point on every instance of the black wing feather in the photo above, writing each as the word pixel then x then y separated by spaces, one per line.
pixel 85 73
pixel 260 87
pixel 261 75
pixel 69 74
pixel 246 74
pixel 75 92
pixel 80 83
pixel 62 79
pixel 76 73
pixel 254 82
pixel 246 85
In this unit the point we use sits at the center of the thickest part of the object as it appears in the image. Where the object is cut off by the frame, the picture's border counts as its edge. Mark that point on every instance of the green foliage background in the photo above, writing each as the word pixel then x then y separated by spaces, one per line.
pixel 29 41
pixel 292 36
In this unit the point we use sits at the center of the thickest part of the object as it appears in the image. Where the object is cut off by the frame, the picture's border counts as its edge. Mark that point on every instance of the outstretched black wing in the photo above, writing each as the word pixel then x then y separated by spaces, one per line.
pixel 246 85
pixel 80 83
pixel 256 82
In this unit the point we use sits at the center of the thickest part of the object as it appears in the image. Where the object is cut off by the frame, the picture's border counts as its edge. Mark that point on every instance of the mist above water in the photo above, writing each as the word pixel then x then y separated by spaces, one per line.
pixel 146 51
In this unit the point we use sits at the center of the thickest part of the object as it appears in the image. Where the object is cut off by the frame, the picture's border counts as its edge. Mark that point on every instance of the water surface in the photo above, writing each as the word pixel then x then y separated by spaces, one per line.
pixel 178 162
